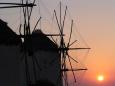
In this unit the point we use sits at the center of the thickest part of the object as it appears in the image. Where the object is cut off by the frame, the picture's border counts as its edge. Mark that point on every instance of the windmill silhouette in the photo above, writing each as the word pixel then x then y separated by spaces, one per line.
pixel 33 63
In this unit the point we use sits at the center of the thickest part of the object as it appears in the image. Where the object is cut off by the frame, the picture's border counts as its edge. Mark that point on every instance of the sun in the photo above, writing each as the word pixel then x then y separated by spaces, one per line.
pixel 100 78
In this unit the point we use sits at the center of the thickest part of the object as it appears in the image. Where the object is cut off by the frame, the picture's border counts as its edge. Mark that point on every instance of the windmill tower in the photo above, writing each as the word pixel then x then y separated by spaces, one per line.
pixel 9 56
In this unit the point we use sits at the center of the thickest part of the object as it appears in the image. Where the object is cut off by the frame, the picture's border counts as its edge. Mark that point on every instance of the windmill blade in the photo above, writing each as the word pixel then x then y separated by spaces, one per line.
pixel 27 11
pixel 23 10
pixel 66 49
pixel 20 29
pixel 63 59
pixel 37 23
pixel 29 5
pixel 54 41
pixel 16 5
pixel 57 21
pixel 31 9
pixel 72 58
pixel 65 74
pixel 72 68
pixel 67 84
pixel 72 43
pixel 12 6
pixel 81 69
pixel 70 33
pixel 60 19
pixel 64 17
pixel 65 78
pixel 79 48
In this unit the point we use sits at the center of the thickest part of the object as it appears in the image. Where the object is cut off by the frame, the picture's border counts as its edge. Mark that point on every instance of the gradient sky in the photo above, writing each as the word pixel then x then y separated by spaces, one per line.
pixel 95 20
pixel 96 23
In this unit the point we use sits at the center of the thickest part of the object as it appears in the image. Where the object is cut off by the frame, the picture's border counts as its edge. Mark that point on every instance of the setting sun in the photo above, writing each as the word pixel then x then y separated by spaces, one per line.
pixel 100 78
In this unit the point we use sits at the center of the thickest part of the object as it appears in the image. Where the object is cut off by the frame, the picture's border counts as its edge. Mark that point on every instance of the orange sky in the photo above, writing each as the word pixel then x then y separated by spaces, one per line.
pixel 97 25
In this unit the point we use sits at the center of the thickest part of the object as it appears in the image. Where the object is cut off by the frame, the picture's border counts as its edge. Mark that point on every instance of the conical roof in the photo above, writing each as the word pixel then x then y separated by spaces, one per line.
pixel 41 42
pixel 8 36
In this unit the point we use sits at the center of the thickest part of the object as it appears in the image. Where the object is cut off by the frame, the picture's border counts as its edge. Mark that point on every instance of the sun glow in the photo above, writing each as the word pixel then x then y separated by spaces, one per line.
pixel 100 78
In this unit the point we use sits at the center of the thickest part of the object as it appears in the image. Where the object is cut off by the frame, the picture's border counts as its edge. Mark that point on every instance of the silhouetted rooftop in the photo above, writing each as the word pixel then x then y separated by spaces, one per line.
pixel 41 42
pixel 7 35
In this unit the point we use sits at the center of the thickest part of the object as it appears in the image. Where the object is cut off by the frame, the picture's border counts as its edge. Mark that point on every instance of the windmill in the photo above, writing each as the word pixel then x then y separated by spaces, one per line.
pixel 32 56
pixel 65 47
